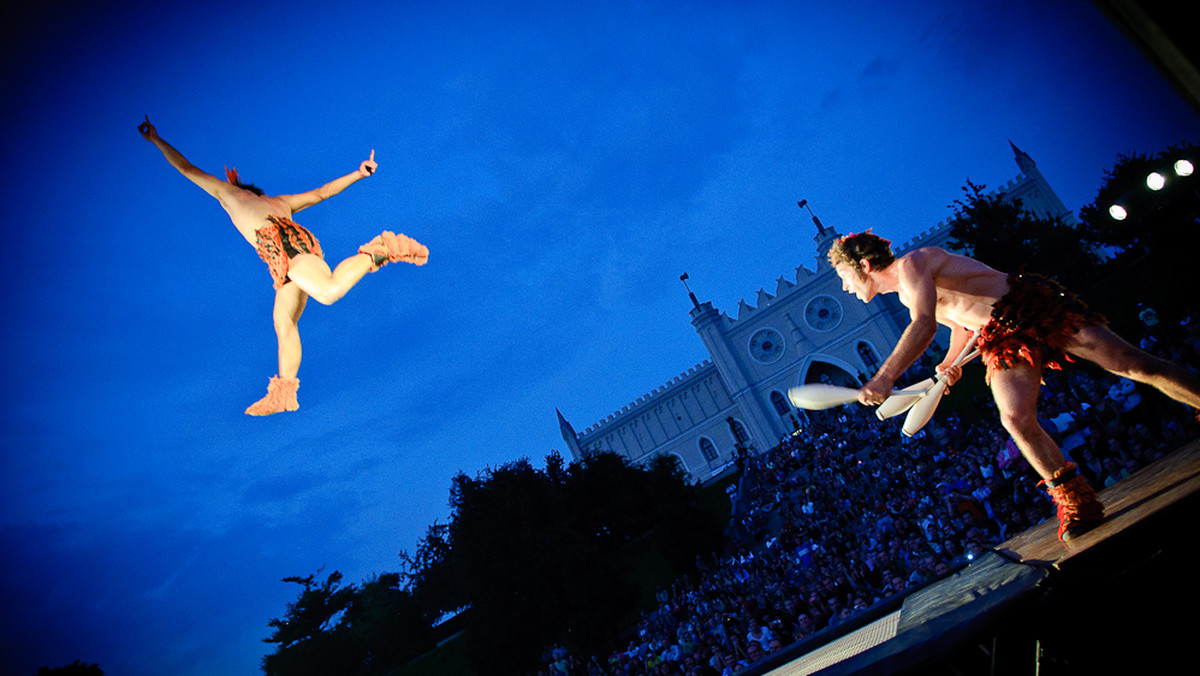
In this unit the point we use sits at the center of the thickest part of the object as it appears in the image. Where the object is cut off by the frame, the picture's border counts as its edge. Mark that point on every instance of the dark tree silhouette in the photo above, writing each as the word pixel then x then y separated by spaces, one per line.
pixel 310 642
pixel 385 626
pixel 1157 220
pixel 997 231
pixel 530 557
pixel 75 668
pixel 429 573
pixel 551 548
pixel 1155 245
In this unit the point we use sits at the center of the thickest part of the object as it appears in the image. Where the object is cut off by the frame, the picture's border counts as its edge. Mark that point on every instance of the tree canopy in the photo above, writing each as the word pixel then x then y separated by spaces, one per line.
pixel 1154 248
pixel 75 668
pixel 530 558
pixel 545 547
pixel 1158 220
pixel 996 230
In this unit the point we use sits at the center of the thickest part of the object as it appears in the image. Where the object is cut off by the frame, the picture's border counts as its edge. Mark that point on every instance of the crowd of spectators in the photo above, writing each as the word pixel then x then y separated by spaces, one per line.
pixel 847 513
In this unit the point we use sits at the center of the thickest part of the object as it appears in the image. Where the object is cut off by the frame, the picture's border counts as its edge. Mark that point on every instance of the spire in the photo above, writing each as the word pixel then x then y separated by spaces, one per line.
pixel 568 435
pixel 565 426
pixel 1024 162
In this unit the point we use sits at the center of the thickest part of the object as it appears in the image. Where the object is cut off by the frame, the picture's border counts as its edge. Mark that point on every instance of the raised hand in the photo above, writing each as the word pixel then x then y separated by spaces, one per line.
pixel 368 166
pixel 148 131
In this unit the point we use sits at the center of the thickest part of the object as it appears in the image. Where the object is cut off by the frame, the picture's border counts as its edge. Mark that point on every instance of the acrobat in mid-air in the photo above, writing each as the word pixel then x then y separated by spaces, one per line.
pixel 293 255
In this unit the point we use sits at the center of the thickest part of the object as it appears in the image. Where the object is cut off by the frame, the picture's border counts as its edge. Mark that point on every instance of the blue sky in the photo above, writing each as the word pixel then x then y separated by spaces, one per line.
pixel 564 162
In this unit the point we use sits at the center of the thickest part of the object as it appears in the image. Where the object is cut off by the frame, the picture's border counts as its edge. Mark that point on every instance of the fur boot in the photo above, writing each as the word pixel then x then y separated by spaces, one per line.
pixel 281 396
pixel 1079 508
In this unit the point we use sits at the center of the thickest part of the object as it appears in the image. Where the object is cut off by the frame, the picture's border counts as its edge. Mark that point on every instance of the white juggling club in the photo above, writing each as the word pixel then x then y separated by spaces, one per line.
pixel 922 409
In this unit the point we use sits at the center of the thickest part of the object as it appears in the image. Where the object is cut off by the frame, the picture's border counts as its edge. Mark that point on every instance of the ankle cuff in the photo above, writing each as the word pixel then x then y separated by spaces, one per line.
pixel 1069 471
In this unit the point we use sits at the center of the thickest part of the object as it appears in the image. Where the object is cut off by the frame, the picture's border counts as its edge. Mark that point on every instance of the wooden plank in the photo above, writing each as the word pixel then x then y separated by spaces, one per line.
pixel 1147 492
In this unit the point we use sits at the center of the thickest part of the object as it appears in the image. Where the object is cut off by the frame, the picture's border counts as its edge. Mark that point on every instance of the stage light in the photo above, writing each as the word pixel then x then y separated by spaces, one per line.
pixel 1137 201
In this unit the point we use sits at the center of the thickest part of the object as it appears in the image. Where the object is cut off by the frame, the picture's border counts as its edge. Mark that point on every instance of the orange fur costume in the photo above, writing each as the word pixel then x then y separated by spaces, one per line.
pixel 281 239
pixel 1033 323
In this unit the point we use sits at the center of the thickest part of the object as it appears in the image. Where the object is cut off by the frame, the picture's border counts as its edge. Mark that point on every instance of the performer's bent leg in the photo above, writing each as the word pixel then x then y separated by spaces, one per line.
pixel 1016 393
pixel 327 287
pixel 1106 349
pixel 313 275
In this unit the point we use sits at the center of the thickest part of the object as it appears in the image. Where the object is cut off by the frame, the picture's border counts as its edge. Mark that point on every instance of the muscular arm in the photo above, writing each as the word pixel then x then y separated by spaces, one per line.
pixel 209 183
pixel 918 292
pixel 307 199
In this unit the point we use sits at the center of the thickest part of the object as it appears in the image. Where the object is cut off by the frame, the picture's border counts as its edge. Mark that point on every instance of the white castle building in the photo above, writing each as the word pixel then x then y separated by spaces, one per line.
pixel 807 331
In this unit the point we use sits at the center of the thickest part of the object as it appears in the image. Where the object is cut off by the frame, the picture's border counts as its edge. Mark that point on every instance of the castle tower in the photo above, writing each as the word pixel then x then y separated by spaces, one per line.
pixel 824 238
pixel 1034 191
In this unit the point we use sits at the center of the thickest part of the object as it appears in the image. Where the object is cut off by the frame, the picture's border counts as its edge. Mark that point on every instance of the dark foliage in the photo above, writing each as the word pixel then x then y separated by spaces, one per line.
pixel 530 558
pixel 1156 246
pixel 536 552
pixel 1157 219
pixel 997 231
pixel 75 668
pixel 331 629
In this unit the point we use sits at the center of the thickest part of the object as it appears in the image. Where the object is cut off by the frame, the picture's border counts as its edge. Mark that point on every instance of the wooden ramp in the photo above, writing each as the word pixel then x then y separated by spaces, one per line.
pixel 1111 601
pixel 1126 504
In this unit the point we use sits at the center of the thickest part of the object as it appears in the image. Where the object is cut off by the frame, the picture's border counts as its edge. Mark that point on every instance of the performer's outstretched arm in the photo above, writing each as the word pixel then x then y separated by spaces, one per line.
pixel 307 199
pixel 209 183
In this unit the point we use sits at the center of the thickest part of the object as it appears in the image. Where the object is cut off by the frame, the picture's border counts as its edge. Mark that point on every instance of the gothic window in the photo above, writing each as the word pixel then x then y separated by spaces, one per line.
pixel 868 357
pixel 707 448
pixel 739 432
pixel 780 403
pixel 679 459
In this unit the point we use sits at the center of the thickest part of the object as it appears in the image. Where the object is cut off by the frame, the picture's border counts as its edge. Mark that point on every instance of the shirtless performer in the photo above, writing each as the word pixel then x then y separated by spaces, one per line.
pixel 293 256
pixel 1025 323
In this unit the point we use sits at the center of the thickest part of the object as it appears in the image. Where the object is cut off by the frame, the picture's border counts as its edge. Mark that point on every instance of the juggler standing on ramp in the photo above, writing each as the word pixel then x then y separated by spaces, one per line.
pixel 1024 323
pixel 293 255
